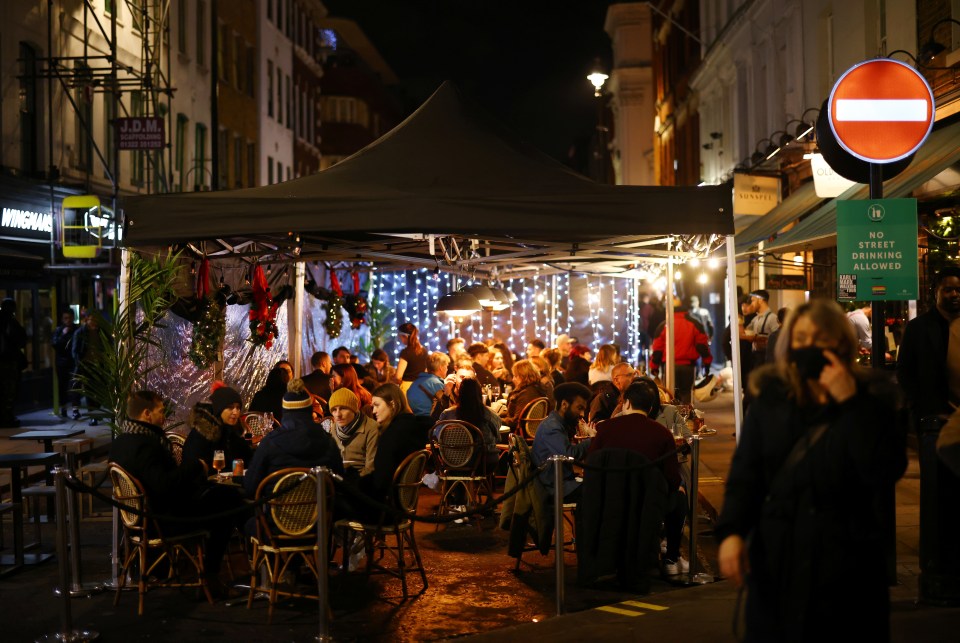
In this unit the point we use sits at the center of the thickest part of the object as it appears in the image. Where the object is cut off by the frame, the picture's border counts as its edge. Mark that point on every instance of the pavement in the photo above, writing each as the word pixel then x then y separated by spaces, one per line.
pixel 473 593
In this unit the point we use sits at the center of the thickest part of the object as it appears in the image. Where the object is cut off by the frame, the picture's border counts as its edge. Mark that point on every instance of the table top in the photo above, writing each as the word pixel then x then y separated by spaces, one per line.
pixel 47 434
pixel 13 460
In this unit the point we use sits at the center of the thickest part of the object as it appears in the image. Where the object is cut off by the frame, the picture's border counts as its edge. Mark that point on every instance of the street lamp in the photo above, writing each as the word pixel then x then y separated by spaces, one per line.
pixel 597 78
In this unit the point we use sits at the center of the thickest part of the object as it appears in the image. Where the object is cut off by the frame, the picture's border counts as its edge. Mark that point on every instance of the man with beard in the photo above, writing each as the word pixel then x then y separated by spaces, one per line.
pixel 555 433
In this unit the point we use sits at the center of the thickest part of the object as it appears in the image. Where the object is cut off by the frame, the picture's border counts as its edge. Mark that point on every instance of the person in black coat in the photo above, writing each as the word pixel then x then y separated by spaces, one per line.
pixel 63 356
pixel 269 399
pixel 216 426
pixel 298 442
pixel 401 433
pixel 924 351
pixel 819 452
pixel 143 450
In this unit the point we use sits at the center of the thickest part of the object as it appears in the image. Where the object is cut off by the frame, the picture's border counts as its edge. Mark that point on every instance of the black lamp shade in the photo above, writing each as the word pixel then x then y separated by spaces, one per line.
pixel 458 304
pixel 483 293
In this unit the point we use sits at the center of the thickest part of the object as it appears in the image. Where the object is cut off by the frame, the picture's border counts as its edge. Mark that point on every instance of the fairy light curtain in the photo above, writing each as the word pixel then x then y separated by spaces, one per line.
pixel 596 310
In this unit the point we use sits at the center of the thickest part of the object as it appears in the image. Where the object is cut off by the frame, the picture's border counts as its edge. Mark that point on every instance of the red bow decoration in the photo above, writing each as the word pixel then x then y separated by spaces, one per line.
pixel 203 279
pixel 263 311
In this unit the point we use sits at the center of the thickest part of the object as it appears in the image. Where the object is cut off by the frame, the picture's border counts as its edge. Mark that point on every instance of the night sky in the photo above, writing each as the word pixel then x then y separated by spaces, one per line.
pixel 524 60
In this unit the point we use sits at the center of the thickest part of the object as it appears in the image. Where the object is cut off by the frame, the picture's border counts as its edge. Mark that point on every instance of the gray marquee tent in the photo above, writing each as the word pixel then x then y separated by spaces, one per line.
pixel 446 179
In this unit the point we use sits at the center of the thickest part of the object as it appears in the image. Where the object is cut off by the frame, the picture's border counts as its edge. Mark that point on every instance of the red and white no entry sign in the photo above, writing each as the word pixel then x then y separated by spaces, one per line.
pixel 881 110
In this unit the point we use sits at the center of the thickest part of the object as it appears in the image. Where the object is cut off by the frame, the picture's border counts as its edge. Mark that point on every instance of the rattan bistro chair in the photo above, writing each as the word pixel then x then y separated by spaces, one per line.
pixel 145 547
pixel 461 463
pixel 286 532
pixel 405 492
pixel 531 416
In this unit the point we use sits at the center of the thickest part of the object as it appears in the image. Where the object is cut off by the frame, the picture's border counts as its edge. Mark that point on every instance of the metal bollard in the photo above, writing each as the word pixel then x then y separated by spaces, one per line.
pixel 323 581
pixel 694 577
pixel 66 633
pixel 558 461
pixel 77 588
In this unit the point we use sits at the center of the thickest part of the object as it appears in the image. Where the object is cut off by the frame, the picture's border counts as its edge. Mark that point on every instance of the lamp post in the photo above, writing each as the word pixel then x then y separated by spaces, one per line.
pixel 597 78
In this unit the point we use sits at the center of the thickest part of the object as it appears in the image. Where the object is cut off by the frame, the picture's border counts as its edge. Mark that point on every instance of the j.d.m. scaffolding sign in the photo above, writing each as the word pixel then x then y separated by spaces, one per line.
pixel 877 250
pixel 140 133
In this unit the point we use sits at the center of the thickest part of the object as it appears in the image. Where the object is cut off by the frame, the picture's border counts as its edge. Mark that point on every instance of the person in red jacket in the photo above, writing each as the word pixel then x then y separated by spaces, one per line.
pixel 689 344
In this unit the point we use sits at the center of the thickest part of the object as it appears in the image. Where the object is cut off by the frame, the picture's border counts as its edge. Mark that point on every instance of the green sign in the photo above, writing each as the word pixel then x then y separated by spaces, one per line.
pixel 877 250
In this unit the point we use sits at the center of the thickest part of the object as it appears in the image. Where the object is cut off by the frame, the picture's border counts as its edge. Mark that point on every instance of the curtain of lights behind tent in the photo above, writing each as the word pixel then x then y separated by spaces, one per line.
pixel 595 310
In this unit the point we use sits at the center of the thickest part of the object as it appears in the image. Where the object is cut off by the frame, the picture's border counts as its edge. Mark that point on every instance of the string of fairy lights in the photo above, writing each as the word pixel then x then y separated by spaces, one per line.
pixel 606 313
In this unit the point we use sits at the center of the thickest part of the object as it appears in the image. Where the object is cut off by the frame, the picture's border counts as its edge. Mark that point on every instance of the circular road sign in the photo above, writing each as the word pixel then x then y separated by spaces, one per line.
pixel 881 110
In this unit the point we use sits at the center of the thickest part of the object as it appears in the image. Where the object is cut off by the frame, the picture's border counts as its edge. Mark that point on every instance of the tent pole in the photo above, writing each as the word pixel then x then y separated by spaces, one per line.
pixel 669 350
pixel 733 305
pixel 295 319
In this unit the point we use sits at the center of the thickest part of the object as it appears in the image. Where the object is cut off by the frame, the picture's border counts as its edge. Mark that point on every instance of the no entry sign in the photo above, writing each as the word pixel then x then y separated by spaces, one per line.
pixel 881 110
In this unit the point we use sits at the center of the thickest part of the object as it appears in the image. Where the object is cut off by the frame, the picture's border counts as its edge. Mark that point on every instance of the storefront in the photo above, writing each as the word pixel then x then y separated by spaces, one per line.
pixel 34 274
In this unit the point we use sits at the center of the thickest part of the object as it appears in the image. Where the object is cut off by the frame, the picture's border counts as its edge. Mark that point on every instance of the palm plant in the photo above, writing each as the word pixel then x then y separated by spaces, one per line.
pixel 122 344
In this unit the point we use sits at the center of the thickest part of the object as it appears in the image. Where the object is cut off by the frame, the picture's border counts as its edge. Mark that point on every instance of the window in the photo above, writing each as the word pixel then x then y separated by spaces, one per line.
pixel 279 22
pixel 199 156
pixel 238 52
pixel 289 174
pixel 179 163
pixel 279 172
pixel 136 156
pixel 223 148
pixel 182 26
pixel 136 14
pixel 109 118
pixel 270 88
pixel 269 170
pixel 251 164
pixel 251 72
pixel 29 142
pixel 223 42
pixel 296 110
pixel 109 6
pixel 269 9
pixel 83 121
pixel 289 103
pixel 279 93
pixel 238 149
pixel 201 32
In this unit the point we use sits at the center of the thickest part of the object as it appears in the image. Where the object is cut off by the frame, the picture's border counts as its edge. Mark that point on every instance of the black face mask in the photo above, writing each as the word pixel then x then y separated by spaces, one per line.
pixel 810 361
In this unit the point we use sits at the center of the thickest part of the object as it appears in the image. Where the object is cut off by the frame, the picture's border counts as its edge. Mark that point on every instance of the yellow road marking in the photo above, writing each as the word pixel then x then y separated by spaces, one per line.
pixel 617 610
pixel 649 606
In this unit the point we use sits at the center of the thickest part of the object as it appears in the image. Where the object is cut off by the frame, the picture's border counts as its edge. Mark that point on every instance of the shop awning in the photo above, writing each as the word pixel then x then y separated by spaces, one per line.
pixel 798 203
pixel 937 154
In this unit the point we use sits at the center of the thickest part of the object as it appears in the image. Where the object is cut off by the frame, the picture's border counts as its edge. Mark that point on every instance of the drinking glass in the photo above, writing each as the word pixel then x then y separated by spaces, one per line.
pixel 219 462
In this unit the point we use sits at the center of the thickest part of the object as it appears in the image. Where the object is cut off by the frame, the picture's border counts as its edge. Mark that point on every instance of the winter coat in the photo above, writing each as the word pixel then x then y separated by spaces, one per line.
pixel 825 520
pixel 208 435
pixel 297 442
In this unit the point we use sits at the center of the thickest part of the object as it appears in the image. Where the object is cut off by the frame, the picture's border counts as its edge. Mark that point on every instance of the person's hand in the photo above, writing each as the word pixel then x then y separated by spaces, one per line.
pixel 836 379
pixel 732 557
pixel 587 429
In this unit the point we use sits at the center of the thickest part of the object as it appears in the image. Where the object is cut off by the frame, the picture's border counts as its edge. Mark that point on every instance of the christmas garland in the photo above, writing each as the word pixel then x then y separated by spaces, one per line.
pixel 208 333
pixel 210 326
pixel 263 311
pixel 334 321
pixel 356 304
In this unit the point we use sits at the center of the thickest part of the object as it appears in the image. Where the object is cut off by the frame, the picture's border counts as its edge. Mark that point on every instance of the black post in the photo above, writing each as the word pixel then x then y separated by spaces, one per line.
pixel 878 360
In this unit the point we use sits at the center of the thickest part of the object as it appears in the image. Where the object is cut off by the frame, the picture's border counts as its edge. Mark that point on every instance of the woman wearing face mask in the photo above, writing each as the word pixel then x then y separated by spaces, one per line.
pixel 804 510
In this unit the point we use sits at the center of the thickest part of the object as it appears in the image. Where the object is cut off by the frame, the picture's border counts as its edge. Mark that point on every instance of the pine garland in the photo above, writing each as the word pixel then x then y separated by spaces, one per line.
pixel 208 333
pixel 334 321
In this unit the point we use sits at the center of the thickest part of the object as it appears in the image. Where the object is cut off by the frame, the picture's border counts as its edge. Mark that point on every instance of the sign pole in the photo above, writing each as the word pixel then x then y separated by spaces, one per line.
pixel 878 351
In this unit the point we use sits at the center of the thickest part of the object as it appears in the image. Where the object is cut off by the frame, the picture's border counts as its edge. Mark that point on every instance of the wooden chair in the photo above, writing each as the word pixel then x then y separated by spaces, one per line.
pixel 253 425
pixel 176 444
pixel 286 532
pixel 531 416
pixel 146 547
pixel 521 463
pixel 461 463
pixel 405 492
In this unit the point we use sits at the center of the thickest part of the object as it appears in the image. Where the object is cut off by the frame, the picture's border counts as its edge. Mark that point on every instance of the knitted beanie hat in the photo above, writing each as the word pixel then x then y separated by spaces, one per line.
pixel 224 396
pixel 297 398
pixel 345 397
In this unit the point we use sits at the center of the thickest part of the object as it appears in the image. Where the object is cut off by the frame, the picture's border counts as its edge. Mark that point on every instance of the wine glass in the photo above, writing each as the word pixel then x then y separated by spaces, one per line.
pixel 219 461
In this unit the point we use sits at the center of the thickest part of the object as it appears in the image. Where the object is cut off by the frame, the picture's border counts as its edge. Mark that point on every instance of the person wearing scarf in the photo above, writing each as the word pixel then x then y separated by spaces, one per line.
pixel 355 433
